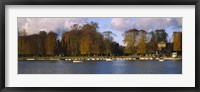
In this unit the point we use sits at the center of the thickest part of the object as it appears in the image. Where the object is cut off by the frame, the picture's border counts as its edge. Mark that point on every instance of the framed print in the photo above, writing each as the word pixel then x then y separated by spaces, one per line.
pixel 110 45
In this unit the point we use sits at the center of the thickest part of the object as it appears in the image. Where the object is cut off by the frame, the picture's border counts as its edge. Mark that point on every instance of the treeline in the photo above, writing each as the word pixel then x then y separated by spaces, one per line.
pixel 87 41
pixel 79 41
pixel 142 42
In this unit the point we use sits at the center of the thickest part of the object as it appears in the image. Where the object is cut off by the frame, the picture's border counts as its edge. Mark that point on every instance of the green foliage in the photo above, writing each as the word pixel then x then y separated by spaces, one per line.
pixel 161 35
pixel 152 45
pixel 107 42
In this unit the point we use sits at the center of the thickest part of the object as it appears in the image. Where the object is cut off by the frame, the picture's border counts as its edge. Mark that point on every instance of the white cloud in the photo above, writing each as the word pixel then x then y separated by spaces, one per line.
pixel 122 23
pixel 34 25
pixel 72 21
pixel 147 24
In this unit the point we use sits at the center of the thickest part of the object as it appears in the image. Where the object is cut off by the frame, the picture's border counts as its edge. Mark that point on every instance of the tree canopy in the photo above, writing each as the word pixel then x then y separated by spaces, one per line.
pixel 86 40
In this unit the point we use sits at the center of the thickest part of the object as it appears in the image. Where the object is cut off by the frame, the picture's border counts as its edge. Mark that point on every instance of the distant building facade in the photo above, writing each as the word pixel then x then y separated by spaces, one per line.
pixel 161 45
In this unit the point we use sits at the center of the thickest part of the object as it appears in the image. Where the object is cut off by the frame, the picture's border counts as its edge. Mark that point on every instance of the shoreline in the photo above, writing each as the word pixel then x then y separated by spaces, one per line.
pixel 95 58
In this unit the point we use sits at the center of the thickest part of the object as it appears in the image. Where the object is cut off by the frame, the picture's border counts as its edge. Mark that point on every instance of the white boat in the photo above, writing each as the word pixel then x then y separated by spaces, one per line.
pixel 30 59
pixel 161 60
pixel 142 58
pixel 77 61
pixel 151 58
pixel 128 58
pixel 108 59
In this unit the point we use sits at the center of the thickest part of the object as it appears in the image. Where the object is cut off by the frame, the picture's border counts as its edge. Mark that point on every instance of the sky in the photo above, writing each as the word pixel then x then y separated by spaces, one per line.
pixel 116 25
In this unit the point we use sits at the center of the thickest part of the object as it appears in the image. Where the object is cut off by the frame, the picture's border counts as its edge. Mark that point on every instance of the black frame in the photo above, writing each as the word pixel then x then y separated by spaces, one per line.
pixel 3 3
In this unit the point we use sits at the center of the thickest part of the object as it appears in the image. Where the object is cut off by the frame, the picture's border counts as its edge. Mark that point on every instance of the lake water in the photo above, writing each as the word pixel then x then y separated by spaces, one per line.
pixel 100 67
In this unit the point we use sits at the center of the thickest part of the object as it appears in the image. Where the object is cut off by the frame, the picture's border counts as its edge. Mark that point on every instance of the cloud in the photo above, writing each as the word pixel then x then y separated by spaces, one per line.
pixel 122 23
pixel 147 24
pixel 34 25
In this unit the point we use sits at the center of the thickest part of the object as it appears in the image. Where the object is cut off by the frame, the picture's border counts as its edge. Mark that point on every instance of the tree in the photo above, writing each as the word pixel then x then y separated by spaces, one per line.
pixel 86 40
pixel 177 41
pixel 84 47
pixel 90 40
pixel 117 49
pixel 24 47
pixel 141 49
pixel 71 41
pixel 41 43
pixel 97 46
pixel 107 42
pixel 169 49
pixel 130 40
pixel 51 43
pixel 152 45
pixel 22 42
pixel 74 43
pixel 161 35
pixel 22 32
pixel 75 27
pixel 33 42
pixel 79 40
pixel 59 51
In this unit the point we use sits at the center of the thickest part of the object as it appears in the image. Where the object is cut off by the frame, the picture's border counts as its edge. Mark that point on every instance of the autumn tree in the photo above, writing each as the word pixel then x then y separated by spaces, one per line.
pixel 75 37
pixel 51 43
pixel 177 41
pixel 84 45
pixel 78 40
pixel 90 42
pixel 24 46
pixel 141 48
pixel 86 40
pixel 130 40
pixel 28 45
pixel 71 40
